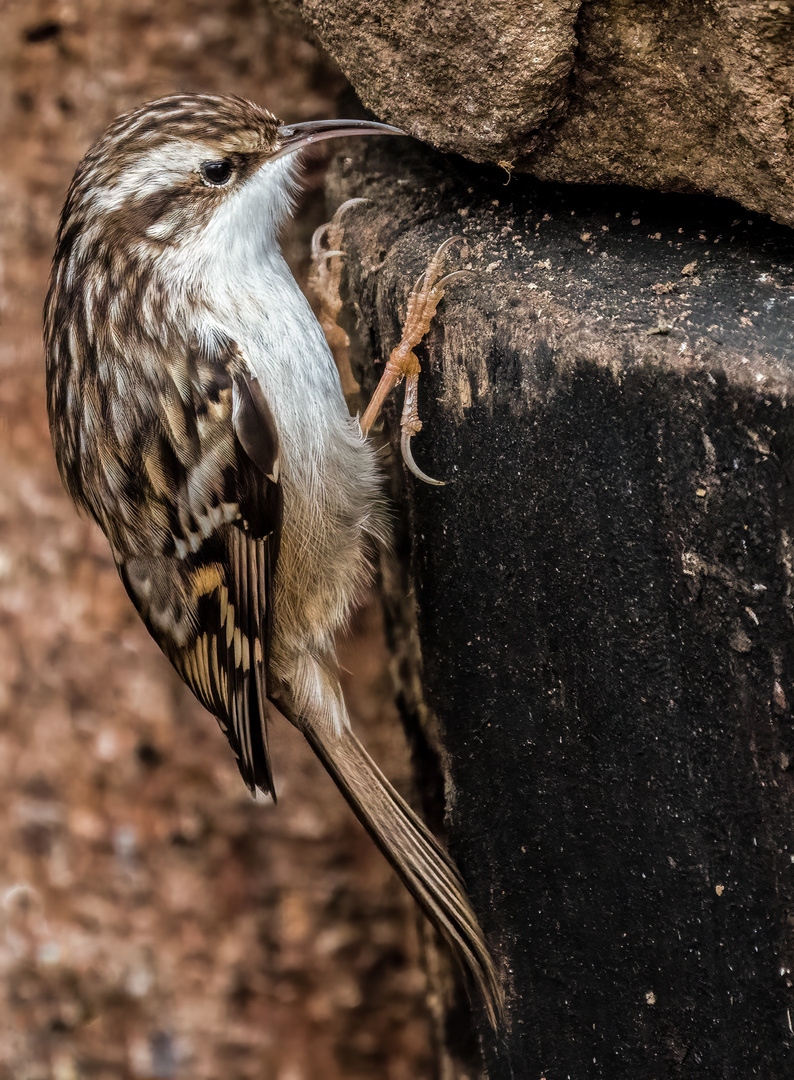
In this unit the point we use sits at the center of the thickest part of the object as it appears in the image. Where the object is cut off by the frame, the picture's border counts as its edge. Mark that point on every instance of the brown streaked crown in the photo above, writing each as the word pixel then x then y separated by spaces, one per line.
pixel 230 121
pixel 228 127
pixel 228 124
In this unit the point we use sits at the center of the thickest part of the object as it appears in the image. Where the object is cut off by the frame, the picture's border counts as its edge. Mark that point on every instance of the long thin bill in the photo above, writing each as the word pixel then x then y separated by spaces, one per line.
pixel 296 136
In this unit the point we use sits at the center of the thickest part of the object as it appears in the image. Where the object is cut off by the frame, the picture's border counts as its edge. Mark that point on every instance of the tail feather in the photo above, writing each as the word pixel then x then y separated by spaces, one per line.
pixel 426 870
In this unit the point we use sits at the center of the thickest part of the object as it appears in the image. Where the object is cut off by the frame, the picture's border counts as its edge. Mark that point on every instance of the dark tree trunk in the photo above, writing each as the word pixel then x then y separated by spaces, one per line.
pixel 604 600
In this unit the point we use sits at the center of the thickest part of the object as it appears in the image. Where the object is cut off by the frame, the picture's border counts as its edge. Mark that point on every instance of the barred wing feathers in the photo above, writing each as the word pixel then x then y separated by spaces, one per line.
pixel 209 462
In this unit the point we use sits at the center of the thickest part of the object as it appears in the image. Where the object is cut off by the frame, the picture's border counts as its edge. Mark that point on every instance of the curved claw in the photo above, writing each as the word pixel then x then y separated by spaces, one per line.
pixel 347 204
pixel 318 238
pixel 419 282
pixel 434 267
pixel 321 232
pixel 445 280
pixel 408 458
pixel 448 244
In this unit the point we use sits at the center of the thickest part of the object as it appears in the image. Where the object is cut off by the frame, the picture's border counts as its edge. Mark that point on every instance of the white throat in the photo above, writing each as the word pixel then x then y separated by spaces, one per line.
pixel 235 264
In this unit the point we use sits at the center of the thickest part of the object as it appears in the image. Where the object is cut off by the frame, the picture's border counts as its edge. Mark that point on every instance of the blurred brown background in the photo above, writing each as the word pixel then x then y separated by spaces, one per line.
pixel 155 921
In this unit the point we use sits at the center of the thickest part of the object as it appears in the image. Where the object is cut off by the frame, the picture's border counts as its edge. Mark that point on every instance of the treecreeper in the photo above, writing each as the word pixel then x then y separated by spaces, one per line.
pixel 197 416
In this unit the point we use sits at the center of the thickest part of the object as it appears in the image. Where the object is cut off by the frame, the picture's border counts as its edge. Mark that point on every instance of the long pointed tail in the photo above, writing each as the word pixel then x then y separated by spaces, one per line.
pixel 424 867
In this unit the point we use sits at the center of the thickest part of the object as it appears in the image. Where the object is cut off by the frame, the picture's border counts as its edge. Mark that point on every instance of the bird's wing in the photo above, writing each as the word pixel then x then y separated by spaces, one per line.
pixel 204 538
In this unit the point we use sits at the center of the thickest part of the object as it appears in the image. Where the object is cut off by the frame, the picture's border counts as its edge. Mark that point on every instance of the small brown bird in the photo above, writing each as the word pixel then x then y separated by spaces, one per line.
pixel 197 416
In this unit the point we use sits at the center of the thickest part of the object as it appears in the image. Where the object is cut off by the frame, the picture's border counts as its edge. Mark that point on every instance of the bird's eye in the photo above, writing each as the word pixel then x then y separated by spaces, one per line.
pixel 216 173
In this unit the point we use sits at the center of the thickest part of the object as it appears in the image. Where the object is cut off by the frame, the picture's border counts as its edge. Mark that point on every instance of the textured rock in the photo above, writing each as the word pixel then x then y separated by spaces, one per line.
pixel 604 601
pixel 679 96
pixel 467 76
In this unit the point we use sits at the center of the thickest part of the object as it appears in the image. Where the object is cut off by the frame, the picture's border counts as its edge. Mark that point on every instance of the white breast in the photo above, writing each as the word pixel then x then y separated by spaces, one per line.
pixel 333 505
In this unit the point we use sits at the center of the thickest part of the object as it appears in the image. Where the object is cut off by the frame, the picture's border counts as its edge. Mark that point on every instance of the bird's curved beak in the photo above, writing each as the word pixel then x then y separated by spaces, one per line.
pixel 294 137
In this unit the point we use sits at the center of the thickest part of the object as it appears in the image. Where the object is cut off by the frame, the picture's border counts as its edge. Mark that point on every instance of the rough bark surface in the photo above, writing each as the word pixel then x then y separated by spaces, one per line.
pixel 679 96
pixel 604 601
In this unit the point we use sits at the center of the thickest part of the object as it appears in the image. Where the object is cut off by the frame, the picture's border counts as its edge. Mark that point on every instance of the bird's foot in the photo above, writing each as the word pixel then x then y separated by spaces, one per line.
pixel 325 277
pixel 403 362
